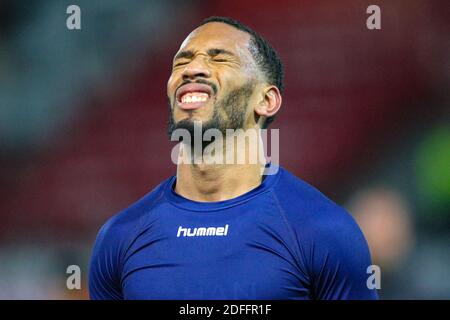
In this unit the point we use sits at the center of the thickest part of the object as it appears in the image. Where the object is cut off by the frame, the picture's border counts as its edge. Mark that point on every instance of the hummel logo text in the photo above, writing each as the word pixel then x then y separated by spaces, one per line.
pixel 202 232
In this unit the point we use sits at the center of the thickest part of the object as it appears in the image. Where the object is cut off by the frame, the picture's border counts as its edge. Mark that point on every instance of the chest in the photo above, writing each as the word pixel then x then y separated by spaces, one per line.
pixel 220 261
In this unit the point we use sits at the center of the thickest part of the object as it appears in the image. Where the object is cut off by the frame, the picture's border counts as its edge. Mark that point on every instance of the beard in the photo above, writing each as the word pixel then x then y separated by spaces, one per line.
pixel 228 113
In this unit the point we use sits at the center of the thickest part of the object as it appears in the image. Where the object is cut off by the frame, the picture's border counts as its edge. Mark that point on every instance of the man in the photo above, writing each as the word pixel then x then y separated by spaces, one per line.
pixel 220 230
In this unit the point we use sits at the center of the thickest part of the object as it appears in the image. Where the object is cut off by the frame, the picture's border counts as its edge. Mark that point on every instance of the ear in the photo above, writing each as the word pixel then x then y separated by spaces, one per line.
pixel 270 102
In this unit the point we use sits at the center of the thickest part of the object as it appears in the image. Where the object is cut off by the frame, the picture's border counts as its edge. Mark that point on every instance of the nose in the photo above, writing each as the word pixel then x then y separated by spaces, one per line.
pixel 195 69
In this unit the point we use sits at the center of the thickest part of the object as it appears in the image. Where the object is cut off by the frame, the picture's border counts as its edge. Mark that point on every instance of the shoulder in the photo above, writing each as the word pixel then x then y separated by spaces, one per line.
pixel 304 203
pixel 312 215
pixel 123 224
pixel 331 245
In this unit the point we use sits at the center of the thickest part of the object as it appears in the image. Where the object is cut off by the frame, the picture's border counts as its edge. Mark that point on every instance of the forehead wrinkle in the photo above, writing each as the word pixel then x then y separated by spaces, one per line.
pixel 213 33
pixel 244 51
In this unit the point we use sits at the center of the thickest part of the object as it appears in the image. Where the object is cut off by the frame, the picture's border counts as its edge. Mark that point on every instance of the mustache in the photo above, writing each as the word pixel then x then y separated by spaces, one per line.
pixel 202 81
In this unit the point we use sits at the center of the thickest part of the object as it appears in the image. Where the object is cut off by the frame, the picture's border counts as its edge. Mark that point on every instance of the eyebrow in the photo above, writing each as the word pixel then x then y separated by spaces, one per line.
pixel 189 54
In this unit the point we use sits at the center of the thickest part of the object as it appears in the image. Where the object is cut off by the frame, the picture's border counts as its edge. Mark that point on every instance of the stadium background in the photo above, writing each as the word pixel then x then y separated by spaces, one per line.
pixel 83 116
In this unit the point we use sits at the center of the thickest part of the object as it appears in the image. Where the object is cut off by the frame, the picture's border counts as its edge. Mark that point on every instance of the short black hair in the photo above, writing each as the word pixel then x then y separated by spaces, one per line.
pixel 265 56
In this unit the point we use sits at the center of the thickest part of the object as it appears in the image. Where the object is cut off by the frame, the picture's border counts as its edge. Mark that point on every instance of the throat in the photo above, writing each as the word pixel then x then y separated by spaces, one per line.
pixel 216 182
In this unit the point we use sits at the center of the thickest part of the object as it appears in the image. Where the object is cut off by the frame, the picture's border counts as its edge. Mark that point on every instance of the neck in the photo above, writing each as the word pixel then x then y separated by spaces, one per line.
pixel 205 182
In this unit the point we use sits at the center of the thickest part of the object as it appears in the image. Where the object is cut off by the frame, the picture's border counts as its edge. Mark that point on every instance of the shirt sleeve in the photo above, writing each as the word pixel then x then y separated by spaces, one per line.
pixel 340 258
pixel 104 274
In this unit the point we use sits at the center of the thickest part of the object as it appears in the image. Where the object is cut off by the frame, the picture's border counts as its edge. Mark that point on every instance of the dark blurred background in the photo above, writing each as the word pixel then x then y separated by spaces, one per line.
pixel 365 118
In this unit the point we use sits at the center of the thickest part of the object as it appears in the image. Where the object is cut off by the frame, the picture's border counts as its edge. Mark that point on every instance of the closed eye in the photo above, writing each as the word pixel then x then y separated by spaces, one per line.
pixel 220 60
pixel 181 63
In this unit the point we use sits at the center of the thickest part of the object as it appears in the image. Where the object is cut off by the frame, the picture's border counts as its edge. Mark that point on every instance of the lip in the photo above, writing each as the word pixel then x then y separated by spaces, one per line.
pixel 193 87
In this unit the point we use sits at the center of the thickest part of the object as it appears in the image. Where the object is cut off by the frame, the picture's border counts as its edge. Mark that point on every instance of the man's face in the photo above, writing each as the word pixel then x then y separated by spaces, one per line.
pixel 213 79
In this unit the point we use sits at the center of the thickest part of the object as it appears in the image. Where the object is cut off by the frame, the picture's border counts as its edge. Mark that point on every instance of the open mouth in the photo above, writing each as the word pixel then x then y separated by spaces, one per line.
pixel 193 95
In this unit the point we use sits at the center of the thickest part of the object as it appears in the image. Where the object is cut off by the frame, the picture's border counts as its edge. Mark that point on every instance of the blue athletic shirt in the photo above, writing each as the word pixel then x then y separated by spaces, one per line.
pixel 281 240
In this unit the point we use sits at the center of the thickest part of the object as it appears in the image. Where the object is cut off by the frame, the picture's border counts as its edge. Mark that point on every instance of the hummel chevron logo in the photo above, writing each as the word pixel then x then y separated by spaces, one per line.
pixel 202 232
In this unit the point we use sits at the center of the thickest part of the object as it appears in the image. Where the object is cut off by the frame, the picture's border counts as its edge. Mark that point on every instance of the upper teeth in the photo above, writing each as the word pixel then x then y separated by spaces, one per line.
pixel 194 97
